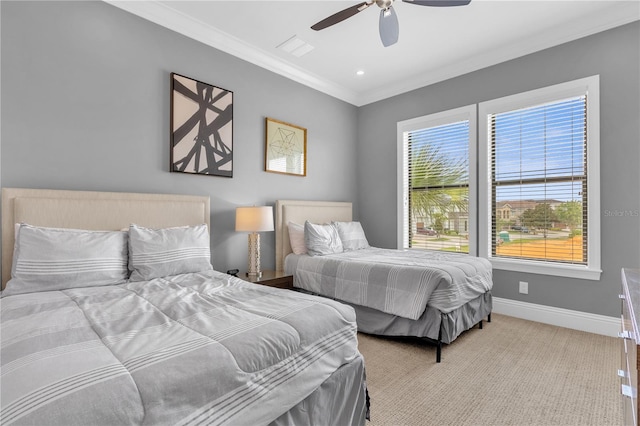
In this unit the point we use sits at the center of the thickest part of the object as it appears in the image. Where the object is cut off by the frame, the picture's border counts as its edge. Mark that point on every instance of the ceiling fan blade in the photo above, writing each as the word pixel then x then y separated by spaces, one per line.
pixel 341 16
pixel 389 28
pixel 439 3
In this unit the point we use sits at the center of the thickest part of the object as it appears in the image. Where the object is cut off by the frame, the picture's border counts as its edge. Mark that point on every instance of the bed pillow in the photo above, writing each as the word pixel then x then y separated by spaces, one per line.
pixel 46 259
pixel 155 253
pixel 351 235
pixel 321 239
pixel 296 238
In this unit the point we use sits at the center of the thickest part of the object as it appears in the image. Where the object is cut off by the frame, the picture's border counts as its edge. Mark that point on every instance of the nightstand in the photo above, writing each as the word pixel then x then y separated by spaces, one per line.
pixel 271 279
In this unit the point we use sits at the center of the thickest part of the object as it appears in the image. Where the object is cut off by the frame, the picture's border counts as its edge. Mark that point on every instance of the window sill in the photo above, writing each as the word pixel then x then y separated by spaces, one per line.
pixel 544 268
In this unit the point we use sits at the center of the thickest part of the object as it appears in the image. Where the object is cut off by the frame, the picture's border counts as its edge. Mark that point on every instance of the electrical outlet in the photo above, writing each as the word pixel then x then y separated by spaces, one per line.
pixel 524 287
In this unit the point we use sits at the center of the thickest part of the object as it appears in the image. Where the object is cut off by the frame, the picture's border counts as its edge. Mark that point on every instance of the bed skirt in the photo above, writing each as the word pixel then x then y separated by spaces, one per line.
pixel 340 400
pixel 430 323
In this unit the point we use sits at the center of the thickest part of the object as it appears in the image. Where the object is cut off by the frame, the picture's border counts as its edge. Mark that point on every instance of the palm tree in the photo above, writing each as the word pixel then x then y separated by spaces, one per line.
pixel 439 184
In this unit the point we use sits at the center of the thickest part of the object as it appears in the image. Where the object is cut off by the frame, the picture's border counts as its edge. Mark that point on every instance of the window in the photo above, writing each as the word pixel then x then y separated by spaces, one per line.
pixel 539 186
pixel 436 203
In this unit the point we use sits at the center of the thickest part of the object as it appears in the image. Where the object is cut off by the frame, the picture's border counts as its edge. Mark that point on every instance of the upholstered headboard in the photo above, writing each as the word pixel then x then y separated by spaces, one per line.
pixel 298 212
pixel 95 211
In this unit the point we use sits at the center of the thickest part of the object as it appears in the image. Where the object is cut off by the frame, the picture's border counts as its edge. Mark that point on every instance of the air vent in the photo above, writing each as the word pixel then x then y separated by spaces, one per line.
pixel 296 46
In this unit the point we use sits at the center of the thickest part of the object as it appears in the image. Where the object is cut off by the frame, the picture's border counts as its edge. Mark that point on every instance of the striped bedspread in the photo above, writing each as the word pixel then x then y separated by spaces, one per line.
pixel 398 282
pixel 190 349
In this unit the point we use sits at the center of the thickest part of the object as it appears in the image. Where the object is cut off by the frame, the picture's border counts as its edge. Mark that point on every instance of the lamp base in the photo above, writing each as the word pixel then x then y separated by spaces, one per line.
pixel 254 255
pixel 255 274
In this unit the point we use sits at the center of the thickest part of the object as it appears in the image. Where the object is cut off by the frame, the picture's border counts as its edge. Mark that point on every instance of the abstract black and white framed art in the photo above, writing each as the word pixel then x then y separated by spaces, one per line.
pixel 201 128
pixel 285 148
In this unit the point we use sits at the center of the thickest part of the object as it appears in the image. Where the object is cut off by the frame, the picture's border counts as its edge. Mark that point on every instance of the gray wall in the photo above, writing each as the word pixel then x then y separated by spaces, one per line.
pixel 85 106
pixel 615 56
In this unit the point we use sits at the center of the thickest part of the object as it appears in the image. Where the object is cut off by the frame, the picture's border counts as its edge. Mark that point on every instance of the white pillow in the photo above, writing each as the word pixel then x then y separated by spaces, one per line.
pixel 352 235
pixel 46 259
pixel 321 239
pixel 296 238
pixel 157 253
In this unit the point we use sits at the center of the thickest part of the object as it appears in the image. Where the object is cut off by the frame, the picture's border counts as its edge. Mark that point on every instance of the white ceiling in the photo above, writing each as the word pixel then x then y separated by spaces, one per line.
pixel 434 44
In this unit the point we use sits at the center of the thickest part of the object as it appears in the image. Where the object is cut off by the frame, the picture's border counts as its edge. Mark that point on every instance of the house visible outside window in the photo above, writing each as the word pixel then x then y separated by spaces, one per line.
pixel 539 180
pixel 436 161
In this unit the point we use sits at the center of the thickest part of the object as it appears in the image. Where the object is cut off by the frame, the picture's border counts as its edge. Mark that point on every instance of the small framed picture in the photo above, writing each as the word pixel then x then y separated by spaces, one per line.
pixel 285 148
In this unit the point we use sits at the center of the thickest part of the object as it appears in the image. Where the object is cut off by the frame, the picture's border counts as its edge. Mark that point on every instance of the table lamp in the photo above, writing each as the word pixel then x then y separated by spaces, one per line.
pixel 254 220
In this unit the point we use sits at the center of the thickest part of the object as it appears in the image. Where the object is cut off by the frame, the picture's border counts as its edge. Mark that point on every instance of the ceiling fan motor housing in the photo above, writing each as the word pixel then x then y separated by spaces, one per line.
pixel 384 4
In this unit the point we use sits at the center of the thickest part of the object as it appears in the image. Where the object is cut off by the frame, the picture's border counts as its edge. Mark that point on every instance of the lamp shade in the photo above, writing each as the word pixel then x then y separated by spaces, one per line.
pixel 254 219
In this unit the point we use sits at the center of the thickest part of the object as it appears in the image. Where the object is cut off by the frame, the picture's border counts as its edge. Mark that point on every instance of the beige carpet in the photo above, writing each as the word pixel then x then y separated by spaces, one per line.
pixel 513 372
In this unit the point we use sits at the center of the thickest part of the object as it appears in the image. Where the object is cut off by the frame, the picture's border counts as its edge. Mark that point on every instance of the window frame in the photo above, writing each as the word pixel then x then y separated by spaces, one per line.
pixel 589 86
pixel 469 113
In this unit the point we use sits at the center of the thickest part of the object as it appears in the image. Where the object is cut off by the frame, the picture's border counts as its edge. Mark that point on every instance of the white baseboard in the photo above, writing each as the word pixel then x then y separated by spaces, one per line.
pixel 592 323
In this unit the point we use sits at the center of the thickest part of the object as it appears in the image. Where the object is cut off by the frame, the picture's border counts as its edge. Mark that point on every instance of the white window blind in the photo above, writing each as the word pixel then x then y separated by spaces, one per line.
pixel 436 170
pixel 539 182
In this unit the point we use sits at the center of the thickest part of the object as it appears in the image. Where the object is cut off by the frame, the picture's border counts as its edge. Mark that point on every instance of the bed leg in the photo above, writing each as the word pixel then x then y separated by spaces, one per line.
pixel 489 318
pixel 480 325
pixel 439 346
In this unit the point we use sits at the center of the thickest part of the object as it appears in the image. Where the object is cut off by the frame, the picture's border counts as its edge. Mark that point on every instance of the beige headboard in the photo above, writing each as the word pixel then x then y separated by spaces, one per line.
pixel 298 211
pixel 94 210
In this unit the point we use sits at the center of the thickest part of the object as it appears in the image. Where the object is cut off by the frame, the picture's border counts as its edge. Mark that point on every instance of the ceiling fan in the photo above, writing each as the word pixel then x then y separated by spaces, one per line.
pixel 388 23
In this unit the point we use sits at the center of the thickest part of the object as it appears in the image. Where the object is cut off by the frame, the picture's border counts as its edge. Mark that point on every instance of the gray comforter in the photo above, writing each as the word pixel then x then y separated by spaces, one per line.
pixel 397 282
pixel 189 349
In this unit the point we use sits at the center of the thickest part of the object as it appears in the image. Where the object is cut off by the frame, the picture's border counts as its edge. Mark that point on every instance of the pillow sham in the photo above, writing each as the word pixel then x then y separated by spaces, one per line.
pixel 296 238
pixel 155 253
pixel 46 259
pixel 321 239
pixel 352 235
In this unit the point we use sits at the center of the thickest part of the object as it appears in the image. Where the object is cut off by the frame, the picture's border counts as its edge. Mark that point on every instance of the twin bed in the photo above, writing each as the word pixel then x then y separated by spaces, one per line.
pixel 431 295
pixel 105 322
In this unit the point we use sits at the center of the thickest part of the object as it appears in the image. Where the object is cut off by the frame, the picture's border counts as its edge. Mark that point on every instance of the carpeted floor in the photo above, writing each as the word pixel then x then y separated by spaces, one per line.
pixel 513 372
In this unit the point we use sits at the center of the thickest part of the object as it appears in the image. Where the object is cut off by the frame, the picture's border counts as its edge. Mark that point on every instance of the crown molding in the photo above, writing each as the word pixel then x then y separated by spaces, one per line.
pixel 625 15
pixel 168 17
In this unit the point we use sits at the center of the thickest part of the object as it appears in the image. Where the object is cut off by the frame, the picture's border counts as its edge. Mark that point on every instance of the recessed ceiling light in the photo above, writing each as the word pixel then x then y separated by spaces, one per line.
pixel 360 72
